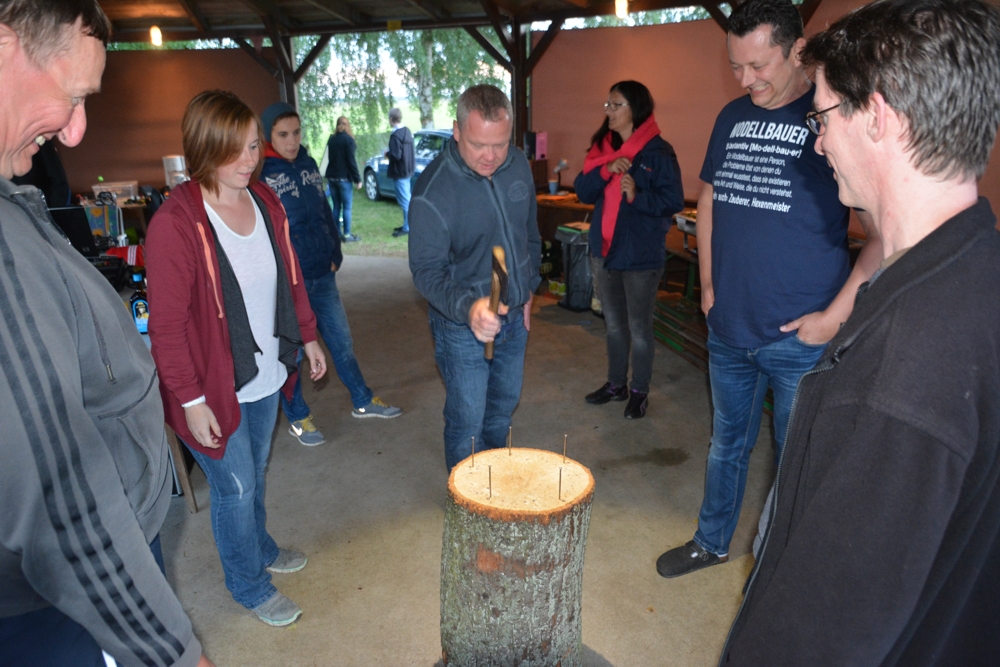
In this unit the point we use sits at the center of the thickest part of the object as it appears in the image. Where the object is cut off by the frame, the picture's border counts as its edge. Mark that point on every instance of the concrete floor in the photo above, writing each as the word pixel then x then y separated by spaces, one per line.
pixel 367 507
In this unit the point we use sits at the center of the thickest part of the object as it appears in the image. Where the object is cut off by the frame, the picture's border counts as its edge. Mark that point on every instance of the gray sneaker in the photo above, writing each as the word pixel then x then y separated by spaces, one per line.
pixel 377 408
pixel 278 611
pixel 288 560
pixel 306 432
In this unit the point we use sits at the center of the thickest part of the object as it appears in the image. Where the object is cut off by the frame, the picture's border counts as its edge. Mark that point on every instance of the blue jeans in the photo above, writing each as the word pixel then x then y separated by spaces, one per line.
pixel 740 378
pixel 343 198
pixel 331 320
pixel 480 395
pixel 236 490
pixel 403 198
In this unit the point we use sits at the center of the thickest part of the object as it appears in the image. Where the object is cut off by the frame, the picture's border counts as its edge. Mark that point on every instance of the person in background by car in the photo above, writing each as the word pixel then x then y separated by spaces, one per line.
pixel 294 176
pixel 401 166
pixel 342 172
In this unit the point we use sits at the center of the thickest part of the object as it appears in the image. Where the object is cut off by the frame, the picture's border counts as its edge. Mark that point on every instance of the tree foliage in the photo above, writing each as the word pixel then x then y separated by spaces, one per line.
pixel 437 65
pixel 656 17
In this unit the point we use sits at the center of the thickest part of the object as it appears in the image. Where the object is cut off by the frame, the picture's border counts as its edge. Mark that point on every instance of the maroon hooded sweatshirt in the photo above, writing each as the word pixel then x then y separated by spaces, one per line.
pixel 187 326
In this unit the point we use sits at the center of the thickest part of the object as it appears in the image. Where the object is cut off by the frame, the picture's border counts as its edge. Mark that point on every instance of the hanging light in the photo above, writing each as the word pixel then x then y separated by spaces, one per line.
pixel 621 9
pixel 155 36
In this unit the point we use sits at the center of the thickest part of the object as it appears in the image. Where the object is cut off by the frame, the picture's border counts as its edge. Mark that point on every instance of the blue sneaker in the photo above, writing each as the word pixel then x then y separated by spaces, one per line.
pixel 377 408
pixel 306 432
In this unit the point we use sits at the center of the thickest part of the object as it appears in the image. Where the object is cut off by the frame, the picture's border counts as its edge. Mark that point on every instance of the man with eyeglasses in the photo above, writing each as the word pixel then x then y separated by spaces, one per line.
pixel 776 280
pixel 884 543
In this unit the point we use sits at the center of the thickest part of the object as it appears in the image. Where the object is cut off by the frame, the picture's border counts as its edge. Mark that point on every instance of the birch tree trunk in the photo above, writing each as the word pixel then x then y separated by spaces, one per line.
pixel 512 560
pixel 425 95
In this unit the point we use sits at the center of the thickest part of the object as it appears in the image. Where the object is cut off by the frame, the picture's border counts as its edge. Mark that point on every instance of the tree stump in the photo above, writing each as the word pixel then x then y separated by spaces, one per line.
pixel 512 560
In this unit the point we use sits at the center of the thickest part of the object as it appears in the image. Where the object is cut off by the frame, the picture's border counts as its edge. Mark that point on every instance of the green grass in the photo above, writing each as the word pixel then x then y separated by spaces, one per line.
pixel 374 221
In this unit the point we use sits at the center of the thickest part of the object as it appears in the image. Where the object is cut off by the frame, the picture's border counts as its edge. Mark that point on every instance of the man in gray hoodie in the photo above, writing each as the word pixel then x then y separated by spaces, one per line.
pixel 478 193
pixel 84 483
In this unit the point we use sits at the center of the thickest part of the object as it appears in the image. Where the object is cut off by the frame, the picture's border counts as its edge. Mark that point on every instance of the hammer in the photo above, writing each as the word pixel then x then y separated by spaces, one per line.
pixel 498 290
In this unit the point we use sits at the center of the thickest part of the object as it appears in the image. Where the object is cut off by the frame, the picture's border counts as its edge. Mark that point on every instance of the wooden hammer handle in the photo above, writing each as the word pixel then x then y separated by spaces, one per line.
pixel 494 307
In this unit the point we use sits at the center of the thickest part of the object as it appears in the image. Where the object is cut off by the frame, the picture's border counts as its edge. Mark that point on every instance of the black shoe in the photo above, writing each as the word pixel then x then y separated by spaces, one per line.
pixel 688 558
pixel 637 404
pixel 399 232
pixel 608 392
pixel 397 229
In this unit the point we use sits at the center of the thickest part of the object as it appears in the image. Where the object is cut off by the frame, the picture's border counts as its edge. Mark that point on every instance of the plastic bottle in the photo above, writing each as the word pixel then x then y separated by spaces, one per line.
pixel 139 305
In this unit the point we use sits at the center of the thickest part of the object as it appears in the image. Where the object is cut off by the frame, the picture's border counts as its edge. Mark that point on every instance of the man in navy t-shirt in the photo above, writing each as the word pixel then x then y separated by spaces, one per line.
pixel 775 274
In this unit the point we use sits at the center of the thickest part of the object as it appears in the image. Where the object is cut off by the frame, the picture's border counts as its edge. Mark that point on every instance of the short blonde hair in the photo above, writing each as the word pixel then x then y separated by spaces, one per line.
pixel 214 126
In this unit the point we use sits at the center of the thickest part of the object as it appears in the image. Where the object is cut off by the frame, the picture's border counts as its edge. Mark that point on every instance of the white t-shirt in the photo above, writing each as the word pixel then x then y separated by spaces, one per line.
pixel 252 259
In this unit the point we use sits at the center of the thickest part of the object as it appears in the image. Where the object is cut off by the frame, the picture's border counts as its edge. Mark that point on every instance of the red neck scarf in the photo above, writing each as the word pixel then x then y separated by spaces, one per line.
pixel 602 154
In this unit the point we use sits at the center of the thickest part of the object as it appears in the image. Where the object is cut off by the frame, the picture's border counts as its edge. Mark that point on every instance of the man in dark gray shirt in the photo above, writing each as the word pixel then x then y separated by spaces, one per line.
pixel 478 193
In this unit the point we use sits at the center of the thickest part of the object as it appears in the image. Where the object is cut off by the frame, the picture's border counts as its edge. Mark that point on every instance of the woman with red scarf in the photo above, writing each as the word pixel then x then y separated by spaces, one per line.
pixel 632 177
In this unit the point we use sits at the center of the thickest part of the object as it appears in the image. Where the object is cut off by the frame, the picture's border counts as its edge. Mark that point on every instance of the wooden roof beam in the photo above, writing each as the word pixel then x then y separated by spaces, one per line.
pixel 259 59
pixel 340 10
pixel 194 13
pixel 489 48
pixel 431 8
pixel 720 17
pixel 311 57
pixel 499 25
pixel 543 45
pixel 268 9
pixel 807 9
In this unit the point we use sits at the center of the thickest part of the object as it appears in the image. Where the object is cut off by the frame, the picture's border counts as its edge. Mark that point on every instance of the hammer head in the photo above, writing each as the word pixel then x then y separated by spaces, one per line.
pixel 500 278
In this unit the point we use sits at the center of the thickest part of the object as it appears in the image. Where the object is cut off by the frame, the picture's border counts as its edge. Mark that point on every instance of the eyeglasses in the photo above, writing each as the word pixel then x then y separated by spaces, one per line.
pixel 614 106
pixel 813 121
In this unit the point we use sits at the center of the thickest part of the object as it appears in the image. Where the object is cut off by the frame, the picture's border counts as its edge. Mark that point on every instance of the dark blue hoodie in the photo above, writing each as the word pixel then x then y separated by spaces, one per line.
pixel 310 220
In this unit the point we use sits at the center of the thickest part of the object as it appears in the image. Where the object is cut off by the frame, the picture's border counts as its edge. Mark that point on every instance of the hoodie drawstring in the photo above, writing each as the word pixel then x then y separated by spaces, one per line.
pixel 291 253
pixel 211 267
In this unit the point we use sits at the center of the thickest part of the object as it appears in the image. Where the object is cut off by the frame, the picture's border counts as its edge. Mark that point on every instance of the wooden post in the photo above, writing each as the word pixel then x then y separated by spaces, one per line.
pixel 512 560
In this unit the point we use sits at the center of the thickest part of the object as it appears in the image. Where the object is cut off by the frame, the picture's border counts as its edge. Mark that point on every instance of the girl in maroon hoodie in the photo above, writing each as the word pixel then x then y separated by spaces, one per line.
pixel 228 315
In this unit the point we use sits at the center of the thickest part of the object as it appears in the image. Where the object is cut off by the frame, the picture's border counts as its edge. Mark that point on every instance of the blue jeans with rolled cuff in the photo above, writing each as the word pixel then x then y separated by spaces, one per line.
pixel 481 394
pixel 236 490
pixel 403 186
pixel 740 378
pixel 331 320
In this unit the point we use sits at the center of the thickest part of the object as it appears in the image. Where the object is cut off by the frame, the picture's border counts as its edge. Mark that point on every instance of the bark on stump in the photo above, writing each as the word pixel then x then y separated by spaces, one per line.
pixel 512 560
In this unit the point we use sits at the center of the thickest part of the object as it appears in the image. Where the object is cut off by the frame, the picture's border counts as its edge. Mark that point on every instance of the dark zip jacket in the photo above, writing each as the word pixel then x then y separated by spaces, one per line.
pixel 84 485
pixel 457 216
pixel 310 220
pixel 641 229
pixel 884 542
pixel 401 158
pixel 342 163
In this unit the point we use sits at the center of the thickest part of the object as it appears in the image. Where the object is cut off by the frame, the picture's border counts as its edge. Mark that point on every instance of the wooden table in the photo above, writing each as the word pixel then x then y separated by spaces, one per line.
pixel 555 210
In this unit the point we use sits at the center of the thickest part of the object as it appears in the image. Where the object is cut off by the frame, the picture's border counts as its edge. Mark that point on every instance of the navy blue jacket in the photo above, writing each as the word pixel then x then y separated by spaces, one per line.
pixel 401 164
pixel 457 216
pixel 638 243
pixel 343 165
pixel 310 220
